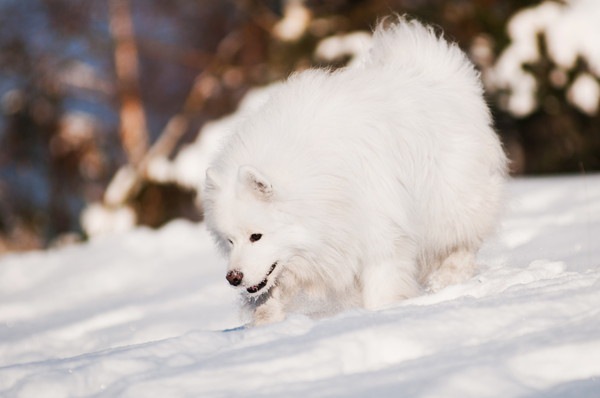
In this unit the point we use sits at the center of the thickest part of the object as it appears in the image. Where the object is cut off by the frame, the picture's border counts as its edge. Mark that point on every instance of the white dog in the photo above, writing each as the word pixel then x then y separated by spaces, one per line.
pixel 360 187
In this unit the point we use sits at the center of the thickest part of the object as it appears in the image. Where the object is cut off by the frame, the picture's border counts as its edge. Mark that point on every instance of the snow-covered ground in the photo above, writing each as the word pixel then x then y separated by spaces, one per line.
pixel 149 313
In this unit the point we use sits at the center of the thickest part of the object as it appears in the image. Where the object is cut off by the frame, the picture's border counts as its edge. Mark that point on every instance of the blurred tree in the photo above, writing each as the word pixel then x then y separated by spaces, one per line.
pixel 546 87
pixel 91 88
pixel 133 131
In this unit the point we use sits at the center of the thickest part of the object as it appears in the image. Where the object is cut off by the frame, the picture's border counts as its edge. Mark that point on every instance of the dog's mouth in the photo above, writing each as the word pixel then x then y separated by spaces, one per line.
pixel 263 283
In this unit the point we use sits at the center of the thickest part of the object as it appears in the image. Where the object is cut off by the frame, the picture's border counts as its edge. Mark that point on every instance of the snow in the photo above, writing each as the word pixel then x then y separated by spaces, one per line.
pixel 149 313
pixel 98 219
pixel 295 21
pixel 354 44
pixel 585 93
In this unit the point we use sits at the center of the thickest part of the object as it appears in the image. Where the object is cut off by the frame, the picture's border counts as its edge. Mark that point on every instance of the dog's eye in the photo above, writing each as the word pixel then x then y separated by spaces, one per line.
pixel 255 237
pixel 230 242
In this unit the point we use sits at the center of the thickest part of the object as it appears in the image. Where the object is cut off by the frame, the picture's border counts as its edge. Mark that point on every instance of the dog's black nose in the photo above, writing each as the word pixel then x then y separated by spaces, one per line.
pixel 234 277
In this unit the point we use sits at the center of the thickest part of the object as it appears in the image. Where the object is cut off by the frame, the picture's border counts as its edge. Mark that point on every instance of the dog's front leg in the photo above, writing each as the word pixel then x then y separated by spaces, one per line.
pixel 273 309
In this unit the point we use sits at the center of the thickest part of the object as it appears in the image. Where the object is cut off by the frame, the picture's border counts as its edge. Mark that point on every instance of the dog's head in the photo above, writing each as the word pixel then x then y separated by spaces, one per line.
pixel 245 214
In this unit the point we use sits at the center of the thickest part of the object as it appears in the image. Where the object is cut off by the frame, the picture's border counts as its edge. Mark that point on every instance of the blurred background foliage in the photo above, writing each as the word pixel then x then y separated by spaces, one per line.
pixel 88 88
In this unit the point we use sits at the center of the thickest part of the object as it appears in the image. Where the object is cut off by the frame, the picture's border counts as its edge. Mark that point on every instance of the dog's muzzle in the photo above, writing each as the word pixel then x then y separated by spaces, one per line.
pixel 263 283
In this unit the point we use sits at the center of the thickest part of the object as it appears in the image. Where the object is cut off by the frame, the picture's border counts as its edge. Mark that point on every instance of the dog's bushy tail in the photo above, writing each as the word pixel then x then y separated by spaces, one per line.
pixel 407 44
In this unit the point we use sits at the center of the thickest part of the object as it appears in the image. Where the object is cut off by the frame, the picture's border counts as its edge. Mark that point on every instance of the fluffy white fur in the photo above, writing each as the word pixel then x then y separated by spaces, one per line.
pixel 368 184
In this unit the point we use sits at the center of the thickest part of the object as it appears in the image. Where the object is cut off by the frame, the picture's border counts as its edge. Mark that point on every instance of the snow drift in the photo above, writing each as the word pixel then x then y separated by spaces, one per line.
pixel 149 313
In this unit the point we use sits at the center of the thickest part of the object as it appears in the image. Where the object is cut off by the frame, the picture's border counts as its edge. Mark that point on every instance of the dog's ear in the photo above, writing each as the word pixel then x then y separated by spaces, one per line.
pixel 255 181
pixel 212 180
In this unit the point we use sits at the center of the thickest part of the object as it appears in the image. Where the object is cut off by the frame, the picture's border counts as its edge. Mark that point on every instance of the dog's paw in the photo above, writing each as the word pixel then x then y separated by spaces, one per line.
pixel 266 314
